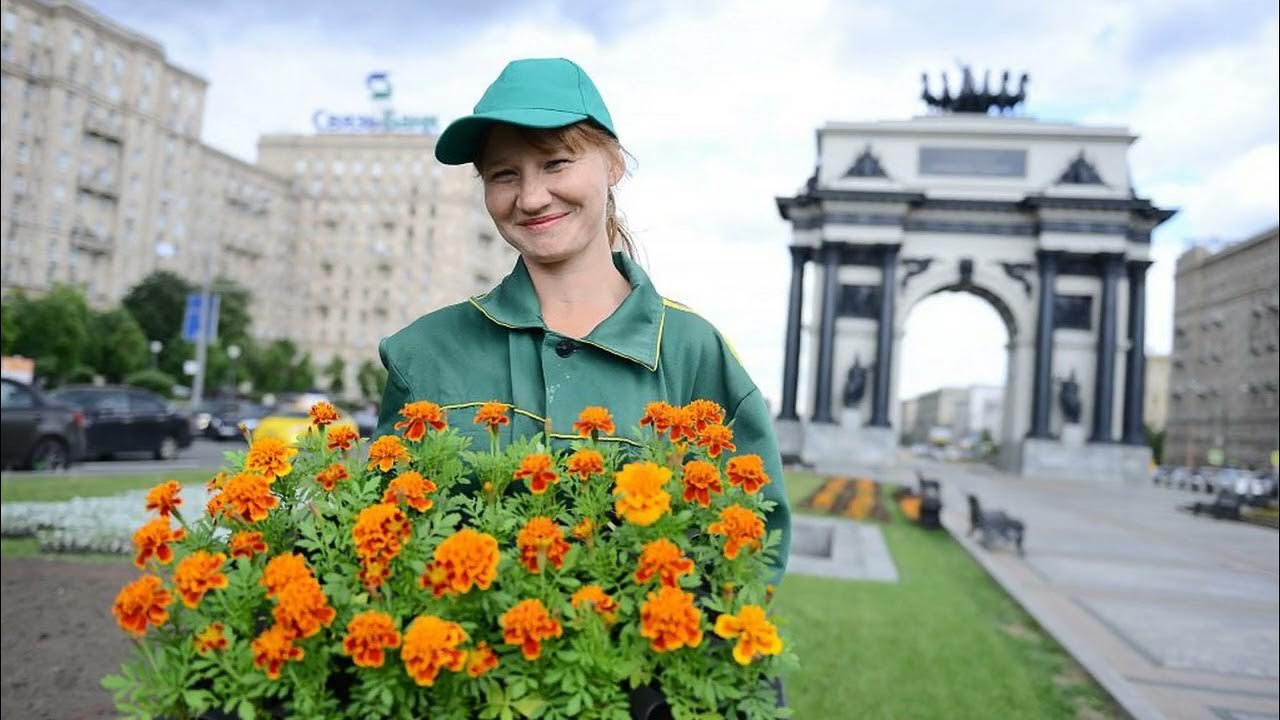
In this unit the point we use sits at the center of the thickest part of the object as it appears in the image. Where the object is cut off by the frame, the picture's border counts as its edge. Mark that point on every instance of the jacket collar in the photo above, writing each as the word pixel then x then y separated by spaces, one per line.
pixel 633 331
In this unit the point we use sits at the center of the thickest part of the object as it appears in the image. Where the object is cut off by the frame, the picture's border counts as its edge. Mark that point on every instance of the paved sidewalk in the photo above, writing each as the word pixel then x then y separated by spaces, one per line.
pixel 1177 616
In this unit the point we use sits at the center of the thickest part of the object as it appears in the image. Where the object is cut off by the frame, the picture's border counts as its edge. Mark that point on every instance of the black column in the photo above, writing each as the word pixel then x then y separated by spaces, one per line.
pixel 884 338
pixel 1135 369
pixel 1042 387
pixel 827 331
pixel 791 358
pixel 1104 379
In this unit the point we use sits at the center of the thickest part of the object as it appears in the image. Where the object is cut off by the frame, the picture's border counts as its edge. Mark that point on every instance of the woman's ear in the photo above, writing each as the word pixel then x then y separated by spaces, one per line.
pixel 617 167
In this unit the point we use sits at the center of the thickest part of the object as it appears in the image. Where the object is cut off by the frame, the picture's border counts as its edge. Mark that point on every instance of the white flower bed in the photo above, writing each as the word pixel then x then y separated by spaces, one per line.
pixel 96 524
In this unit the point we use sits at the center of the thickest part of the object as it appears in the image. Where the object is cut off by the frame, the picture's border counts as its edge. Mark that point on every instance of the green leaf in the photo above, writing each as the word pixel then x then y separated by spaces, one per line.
pixel 114 682
pixel 530 707
pixel 245 710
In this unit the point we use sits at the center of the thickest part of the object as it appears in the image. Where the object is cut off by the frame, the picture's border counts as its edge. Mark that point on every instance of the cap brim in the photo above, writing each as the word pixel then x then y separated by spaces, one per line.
pixel 459 144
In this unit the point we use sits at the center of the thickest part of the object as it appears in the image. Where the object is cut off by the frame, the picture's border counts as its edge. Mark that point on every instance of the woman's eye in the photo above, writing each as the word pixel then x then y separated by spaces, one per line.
pixel 501 176
pixel 558 163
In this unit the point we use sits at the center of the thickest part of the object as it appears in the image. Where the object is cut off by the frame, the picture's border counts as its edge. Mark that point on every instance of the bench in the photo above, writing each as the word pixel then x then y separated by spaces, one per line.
pixel 930 502
pixel 994 524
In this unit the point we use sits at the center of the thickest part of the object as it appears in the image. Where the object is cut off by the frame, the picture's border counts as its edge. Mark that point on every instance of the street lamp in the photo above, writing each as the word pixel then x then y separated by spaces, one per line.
pixel 156 346
pixel 233 352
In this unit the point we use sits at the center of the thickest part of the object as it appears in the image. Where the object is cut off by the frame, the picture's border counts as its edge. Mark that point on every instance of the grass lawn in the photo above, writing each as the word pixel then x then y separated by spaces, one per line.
pixel 944 642
pixel 58 486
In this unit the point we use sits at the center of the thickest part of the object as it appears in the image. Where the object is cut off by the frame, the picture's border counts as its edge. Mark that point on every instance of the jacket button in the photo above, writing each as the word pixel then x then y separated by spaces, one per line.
pixel 565 348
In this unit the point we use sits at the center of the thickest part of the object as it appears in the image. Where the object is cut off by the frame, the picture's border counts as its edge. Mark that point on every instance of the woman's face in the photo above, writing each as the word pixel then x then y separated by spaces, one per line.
pixel 548 205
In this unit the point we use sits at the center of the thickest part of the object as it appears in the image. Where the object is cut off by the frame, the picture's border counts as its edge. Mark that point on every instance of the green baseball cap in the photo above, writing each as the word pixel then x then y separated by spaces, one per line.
pixel 536 93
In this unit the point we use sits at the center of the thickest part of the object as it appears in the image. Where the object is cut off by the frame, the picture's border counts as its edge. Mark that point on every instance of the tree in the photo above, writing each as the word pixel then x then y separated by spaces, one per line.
pixel 234 319
pixel 119 347
pixel 9 311
pixel 372 379
pixel 302 376
pixel 157 303
pixel 54 330
pixel 335 372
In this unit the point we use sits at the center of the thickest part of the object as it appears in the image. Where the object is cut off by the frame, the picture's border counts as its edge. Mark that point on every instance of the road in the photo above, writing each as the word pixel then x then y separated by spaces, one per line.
pixel 201 455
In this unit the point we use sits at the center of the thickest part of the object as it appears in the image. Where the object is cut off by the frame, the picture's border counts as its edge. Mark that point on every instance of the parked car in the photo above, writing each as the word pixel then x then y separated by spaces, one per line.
pixel 221 419
pixel 37 432
pixel 120 419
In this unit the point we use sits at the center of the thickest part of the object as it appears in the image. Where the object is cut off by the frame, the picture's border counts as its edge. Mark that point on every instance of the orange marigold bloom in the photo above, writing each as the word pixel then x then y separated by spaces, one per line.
pixel 463 559
pixel 379 533
pixel 700 479
pixel 670 620
pixel 541 541
pixel 247 544
pixel 272 649
pixel 584 463
pixel 410 488
pixel 659 415
pixel 481 659
pixel 684 426
pixel 210 639
pixel 664 559
pixel 417 416
pixel 270 457
pixel 250 497
pixel 385 452
pixel 584 529
pixel 282 571
pixel 152 539
pixel 140 603
pixel 527 624
pixel 197 574
pixel 493 414
pixel 341 437
pixel 367 634
pixel 716 439
pixel 594 597
pixel 741 528
pixel 539 469
pixel 643 499
pixel 747 472
pixel 323 413
pixel 594 421
pixel 756 635
pixel 705 413
pixel 331 476
pixel 217 481
pixel 431 644
pixel 215 505
pixel 163 498
pixel 302 608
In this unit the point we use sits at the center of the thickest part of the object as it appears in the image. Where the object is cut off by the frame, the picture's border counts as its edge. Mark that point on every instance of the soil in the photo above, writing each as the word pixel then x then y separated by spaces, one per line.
pixel 59 637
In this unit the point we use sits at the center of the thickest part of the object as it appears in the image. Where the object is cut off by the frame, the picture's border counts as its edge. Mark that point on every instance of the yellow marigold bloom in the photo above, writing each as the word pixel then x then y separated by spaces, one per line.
pixel 417 417
pixel 412 489
pixel 431 644
pixel 323 413
pixel 210 639
pixel 658 415
pixel 249 497
pixel 716 439
pixel 584 463
pixel 385 452
pixel 481 660
pixel 705 413
pixel 282 571
pixel 163 498
pixel 756 635
pixel 152 539
pixel 142 602
pixel 217 481
pixel 368 634
pixel 527 624
pixel 270 457
pixel 594 597
pixel 642 497
pixel 341 437
pixel 747 472
pixel 540 471
pixel 664 559
pixel 741 528
pixel 463 559
pixel 272 649
pixel 302 608
pixel 670 620
pixel 584 530
pixel 594 421
pixel 379 533
pixel 247 544
pixel 197 574
pixel 700 479
pixel 541 541
pixel 493 414
pixel 331 476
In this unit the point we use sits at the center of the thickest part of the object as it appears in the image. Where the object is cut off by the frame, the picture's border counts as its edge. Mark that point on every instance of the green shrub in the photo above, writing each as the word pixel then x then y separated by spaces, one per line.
pixel 153 380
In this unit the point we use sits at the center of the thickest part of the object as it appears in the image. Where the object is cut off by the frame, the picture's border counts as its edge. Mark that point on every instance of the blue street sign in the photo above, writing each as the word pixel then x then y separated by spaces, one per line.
pixel 191 318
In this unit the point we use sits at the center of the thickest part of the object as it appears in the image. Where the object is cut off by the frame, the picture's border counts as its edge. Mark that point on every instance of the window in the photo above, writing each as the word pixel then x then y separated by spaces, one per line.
pixel 77 42
pixel 37 33
pixel 10 21
pixel 12 395
pixel 117 65
pixel 339 167
pixel 97 54
pixel 300 167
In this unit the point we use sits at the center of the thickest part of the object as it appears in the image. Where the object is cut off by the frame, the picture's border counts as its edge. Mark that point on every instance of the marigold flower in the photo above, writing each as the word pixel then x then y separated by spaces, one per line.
pixel 431 644
pixel 584 530
pixel 142 602
pixel 197 574
pixel 385 452
pixel 584 463
pixel 594 421
pixel 217 481
pixel 272 649
pixel 716 439
pixel 379 533
pixel 270 457
pixel 249 497
pixel 341 437
pixel 541 541
pixel 664 559
pixel 493 414
pixel 684 426
pixel 152 539
pixel 282 571
pixel 658 415
pixel 539 469
pixel 323 413
pixel 481 659
pixel 419 415
pixel 410 488
pixel 756 635
pixel 367 634
pixel 463 559
pixel 331 476
pixel 210 639
pixel 741 528
pixel 302 608
pixel 527 624
pixel 705 413
pixel 247 544
pixel 163 498
pixel 700 479
pixel 643 499
pixel 594 597
pixel 215 505
pixel 670 620
pixel 747 472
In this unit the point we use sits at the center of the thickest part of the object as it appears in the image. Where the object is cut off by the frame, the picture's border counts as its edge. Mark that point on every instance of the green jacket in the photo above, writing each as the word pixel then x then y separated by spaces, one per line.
pixel 495 347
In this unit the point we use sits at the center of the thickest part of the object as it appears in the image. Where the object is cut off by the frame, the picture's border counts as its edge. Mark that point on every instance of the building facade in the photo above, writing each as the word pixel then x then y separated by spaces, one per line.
pixel 1156 414
pixel 965 413
pixel 1223 380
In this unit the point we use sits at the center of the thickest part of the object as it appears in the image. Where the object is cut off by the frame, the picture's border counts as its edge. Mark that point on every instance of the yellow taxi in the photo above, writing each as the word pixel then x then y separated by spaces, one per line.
pixel 290 418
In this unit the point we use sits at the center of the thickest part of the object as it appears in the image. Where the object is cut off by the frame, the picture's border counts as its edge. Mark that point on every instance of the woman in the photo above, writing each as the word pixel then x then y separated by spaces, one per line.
pixel 575 323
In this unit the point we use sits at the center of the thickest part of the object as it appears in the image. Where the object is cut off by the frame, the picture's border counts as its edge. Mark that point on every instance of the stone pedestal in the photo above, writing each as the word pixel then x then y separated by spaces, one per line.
pixel 790 434
pixel 1089 462
pixel 846 450
pixel 1073 435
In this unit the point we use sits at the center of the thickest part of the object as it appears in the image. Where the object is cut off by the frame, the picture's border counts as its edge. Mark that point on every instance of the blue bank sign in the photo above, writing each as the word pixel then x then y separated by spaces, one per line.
pixel 384 120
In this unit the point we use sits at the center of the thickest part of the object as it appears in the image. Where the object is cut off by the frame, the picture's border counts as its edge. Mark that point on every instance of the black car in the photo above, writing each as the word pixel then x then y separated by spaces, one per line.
pixel 126 419
pixel 37 433
pixel 221 419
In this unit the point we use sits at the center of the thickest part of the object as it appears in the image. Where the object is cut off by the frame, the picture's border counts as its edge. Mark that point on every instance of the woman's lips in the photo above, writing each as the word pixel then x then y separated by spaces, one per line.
pixel 543 222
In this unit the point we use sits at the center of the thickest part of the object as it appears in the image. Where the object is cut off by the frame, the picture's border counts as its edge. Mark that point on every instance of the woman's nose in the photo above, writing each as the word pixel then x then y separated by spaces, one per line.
pixel 534 195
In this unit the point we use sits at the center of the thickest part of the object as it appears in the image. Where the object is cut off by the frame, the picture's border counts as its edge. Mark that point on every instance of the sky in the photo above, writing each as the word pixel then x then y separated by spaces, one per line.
pixel 718 102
